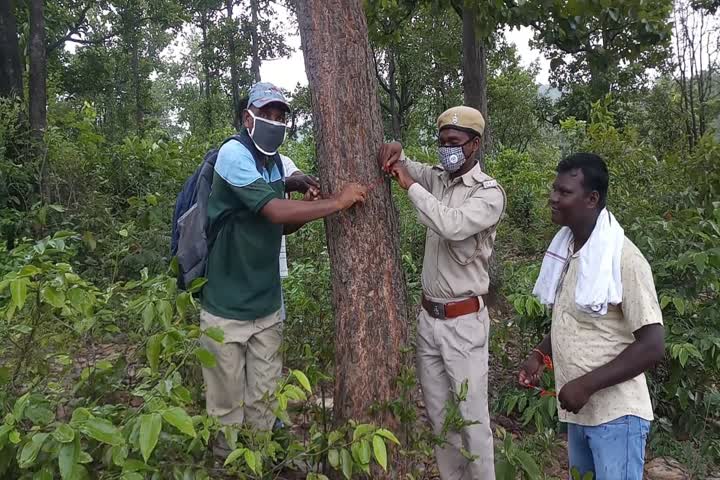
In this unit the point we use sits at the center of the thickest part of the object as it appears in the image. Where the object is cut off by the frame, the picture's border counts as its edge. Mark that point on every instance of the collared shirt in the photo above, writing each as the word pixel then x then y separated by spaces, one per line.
pixel 243 272
pixel 582 342
pixel 461 215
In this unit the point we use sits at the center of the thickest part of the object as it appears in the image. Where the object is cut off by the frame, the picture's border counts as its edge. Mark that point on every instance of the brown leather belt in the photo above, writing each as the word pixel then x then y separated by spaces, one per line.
pixel 444 311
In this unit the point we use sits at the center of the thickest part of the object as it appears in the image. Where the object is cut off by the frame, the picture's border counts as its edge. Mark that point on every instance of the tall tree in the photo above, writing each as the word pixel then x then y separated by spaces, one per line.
pixel 38 70
pixel 369 296
pixel 604 45
pixel 475 71
pixel 233 61
pixel 11 83
pixel 255 60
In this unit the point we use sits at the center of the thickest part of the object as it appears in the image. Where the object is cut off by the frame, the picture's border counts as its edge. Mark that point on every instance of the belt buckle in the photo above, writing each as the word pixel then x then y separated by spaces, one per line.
pixel 438 310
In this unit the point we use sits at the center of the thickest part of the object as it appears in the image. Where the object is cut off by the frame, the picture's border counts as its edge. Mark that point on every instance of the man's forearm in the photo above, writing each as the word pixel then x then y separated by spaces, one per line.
pixel 643 354
pixel 285 212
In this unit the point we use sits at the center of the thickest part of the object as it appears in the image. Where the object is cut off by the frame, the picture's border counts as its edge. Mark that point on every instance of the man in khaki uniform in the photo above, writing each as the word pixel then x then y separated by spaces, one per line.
pixel 461 206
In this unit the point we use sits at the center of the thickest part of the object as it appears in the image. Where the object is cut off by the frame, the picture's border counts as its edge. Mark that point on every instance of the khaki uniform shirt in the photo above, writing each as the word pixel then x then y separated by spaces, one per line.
pixel 461 215
pixel 582 342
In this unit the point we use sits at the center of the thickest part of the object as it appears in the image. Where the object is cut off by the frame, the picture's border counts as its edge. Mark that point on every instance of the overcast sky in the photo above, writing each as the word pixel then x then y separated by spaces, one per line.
pixel 288 72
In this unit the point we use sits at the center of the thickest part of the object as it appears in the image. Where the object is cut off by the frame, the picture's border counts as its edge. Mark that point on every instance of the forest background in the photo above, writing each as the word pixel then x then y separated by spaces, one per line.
pixel 103 117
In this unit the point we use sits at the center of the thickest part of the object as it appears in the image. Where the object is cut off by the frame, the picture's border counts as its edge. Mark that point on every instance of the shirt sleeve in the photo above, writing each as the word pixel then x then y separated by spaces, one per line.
pixel 289 166
pixel 640 303
pixel 419 172
pixel 478 213
pixel 236 166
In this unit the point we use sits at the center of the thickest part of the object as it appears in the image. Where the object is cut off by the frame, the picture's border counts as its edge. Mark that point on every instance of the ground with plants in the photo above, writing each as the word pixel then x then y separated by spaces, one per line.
pixel 99 354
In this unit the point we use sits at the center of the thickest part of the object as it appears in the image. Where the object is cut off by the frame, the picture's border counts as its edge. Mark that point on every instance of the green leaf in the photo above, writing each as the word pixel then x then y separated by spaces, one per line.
pixel 588 476
pixel 387 434
pixel 132 476
pixel 148 315
pixel 154 346
pixel 303 380
pixel 178 418
pixel 346 462
pixel 251 460
pixel 39 414
pixel 165 311
pixel 67 458
pixel 18 290
pixel 234 455
pixel 197 284
pixel 334 458
pixel 504 470
pixel 206 358
pixel 380 451
pixel 84 457
pixel 528 464
pixel 150 427
pixel 102 431
pixel 54 297
pixel 30 451
pixel 316 476
pixel 216 333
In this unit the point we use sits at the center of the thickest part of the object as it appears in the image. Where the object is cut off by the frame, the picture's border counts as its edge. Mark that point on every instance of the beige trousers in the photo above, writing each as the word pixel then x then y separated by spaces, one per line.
pixel 448 353
pixel 248 367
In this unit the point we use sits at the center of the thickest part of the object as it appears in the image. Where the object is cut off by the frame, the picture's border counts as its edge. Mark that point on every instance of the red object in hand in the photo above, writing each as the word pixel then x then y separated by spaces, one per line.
pixel 545 358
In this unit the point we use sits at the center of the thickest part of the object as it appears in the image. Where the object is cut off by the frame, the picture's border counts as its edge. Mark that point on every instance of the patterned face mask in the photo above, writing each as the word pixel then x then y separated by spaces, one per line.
pixel 452 158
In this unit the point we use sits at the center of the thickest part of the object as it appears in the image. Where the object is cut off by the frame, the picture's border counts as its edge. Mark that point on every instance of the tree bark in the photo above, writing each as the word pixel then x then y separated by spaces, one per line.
pixel 234 72
pixel 11 82
pixel 369 296
pixel 206 70
pixel 38 68
pixel 255 40
pixel 475 74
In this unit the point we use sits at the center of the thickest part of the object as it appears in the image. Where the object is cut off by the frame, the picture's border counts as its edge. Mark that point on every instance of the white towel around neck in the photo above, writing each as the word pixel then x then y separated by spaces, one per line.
pixel 599 281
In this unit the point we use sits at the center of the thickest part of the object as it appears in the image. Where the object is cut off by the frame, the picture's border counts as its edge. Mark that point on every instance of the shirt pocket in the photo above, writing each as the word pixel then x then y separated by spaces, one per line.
pixel 464 252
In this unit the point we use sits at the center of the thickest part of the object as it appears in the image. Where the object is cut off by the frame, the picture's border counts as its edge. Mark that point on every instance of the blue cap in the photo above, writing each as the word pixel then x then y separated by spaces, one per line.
pixel 263 93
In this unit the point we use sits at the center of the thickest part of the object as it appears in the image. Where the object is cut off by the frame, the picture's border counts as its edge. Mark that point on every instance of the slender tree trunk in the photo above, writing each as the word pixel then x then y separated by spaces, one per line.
pixel 234 72
pixel 137 81
pixel 394 104
pixel 38 94
pixel 475 87
pixel 11 83
pixel 38 68
pixel 255 40
pixel 206 70
pixel 369 296
pixel 475 74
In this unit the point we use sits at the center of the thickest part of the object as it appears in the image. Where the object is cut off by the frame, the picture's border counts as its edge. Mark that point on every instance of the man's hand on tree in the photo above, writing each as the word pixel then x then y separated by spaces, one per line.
pixel 302 183
pixel 401 174
pixel 351 194
pixel 388 155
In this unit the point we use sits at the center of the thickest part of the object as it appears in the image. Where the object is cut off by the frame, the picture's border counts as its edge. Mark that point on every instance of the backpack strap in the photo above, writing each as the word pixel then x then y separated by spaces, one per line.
pixel 260 162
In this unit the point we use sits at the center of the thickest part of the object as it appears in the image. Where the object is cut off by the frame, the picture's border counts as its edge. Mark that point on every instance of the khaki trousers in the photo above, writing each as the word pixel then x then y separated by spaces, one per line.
pixel 448 353
pixel 248 367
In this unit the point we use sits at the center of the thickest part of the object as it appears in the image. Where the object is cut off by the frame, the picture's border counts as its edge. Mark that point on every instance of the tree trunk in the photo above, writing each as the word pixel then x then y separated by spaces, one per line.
pixel 475 74
pixel 11 83
pixel 393 95
pixel 369 296
pixel 255 40
pixel 234 72
pixel 137 81
pixel 206 70
pixel 38 68
pixel 475 87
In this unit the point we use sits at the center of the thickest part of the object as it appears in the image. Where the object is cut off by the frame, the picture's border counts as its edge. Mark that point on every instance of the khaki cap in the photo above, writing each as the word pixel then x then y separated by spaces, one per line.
pixel 462 118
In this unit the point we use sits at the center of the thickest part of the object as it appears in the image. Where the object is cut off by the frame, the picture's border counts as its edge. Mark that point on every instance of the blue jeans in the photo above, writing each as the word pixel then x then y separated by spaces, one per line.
pixel 612 451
